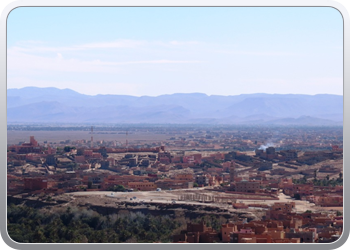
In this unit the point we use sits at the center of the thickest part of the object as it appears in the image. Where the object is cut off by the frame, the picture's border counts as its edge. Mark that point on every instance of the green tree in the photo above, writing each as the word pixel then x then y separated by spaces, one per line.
pixel 297 196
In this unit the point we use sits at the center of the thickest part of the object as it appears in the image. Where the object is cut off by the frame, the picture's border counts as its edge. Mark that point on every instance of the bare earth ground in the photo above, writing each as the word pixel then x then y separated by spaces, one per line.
pixel 14 137
pixel 336 164
pixel 167 197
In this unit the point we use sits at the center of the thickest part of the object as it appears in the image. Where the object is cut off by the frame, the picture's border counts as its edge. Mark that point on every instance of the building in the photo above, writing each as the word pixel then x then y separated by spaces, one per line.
pixel 79 159
pixel 143 186
pixel 184 177
pixel 174 184
pixel 280 209
pixel 165 156
pixel 202 180
pixel 226 229
pixel 270 151
pixel 88 153
pixel 197 233
pixel 304 236
pixel 37 183
pixel 247 186
pixel 26 148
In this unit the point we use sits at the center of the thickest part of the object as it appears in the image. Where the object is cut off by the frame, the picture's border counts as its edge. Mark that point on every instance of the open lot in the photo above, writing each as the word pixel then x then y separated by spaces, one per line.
pixel 169 197
pixel 14 137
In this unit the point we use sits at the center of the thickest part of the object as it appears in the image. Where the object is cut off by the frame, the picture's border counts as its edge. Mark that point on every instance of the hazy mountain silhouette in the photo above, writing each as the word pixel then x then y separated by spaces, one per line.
pixel 33 104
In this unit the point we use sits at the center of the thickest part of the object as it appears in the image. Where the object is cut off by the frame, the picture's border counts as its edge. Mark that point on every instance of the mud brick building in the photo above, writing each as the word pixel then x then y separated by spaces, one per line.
pixel 197 233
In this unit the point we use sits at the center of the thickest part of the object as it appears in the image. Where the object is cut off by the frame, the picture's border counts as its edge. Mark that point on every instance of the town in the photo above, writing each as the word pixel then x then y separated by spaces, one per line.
pixel 272 184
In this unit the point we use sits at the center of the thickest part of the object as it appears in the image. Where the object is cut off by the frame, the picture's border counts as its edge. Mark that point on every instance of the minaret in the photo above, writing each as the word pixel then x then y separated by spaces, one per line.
pixel 92 138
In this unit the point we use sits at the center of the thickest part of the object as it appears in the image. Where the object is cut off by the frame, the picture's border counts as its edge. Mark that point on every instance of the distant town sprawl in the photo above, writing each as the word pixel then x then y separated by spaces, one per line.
pixel 269 184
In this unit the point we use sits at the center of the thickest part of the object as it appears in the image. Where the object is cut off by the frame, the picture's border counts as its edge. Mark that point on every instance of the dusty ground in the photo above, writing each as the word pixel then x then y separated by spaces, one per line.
pixel 14 137
pixel 168 197
pixel 336 164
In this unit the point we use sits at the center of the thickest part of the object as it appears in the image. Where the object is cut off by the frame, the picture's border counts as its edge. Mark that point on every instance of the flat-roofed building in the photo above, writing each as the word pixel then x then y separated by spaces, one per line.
pixel 247 186
pixel 143 186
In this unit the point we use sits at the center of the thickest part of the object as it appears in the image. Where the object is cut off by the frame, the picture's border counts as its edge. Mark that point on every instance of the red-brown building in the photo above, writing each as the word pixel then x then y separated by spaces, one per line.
pixel 37 183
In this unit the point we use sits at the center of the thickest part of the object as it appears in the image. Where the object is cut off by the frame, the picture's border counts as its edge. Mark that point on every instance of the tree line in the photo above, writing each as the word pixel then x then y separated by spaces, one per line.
pixel 81 225
pixel 29 225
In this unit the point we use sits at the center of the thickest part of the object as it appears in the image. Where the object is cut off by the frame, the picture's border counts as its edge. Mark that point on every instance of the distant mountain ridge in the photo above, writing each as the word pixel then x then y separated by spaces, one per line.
pixel 32 104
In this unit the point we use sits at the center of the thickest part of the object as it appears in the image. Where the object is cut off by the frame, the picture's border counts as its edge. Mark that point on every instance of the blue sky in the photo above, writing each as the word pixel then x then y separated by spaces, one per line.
pixel 153 51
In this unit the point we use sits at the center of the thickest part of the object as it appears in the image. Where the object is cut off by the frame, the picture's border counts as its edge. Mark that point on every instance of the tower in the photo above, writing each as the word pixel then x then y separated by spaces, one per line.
pixel 92 137
pixel 33 141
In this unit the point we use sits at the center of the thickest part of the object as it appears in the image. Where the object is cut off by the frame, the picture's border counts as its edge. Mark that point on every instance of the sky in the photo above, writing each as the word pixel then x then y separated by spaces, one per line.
pixel 164 50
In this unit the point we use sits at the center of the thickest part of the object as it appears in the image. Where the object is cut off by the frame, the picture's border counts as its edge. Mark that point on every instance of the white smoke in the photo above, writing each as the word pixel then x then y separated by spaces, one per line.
pixel 264 147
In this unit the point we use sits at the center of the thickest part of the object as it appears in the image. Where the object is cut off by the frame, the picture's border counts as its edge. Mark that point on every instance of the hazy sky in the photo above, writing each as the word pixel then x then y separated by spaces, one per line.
pixel 153 50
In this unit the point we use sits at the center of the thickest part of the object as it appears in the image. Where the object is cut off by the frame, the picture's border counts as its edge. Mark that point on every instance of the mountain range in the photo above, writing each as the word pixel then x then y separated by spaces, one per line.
pixel 52 105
